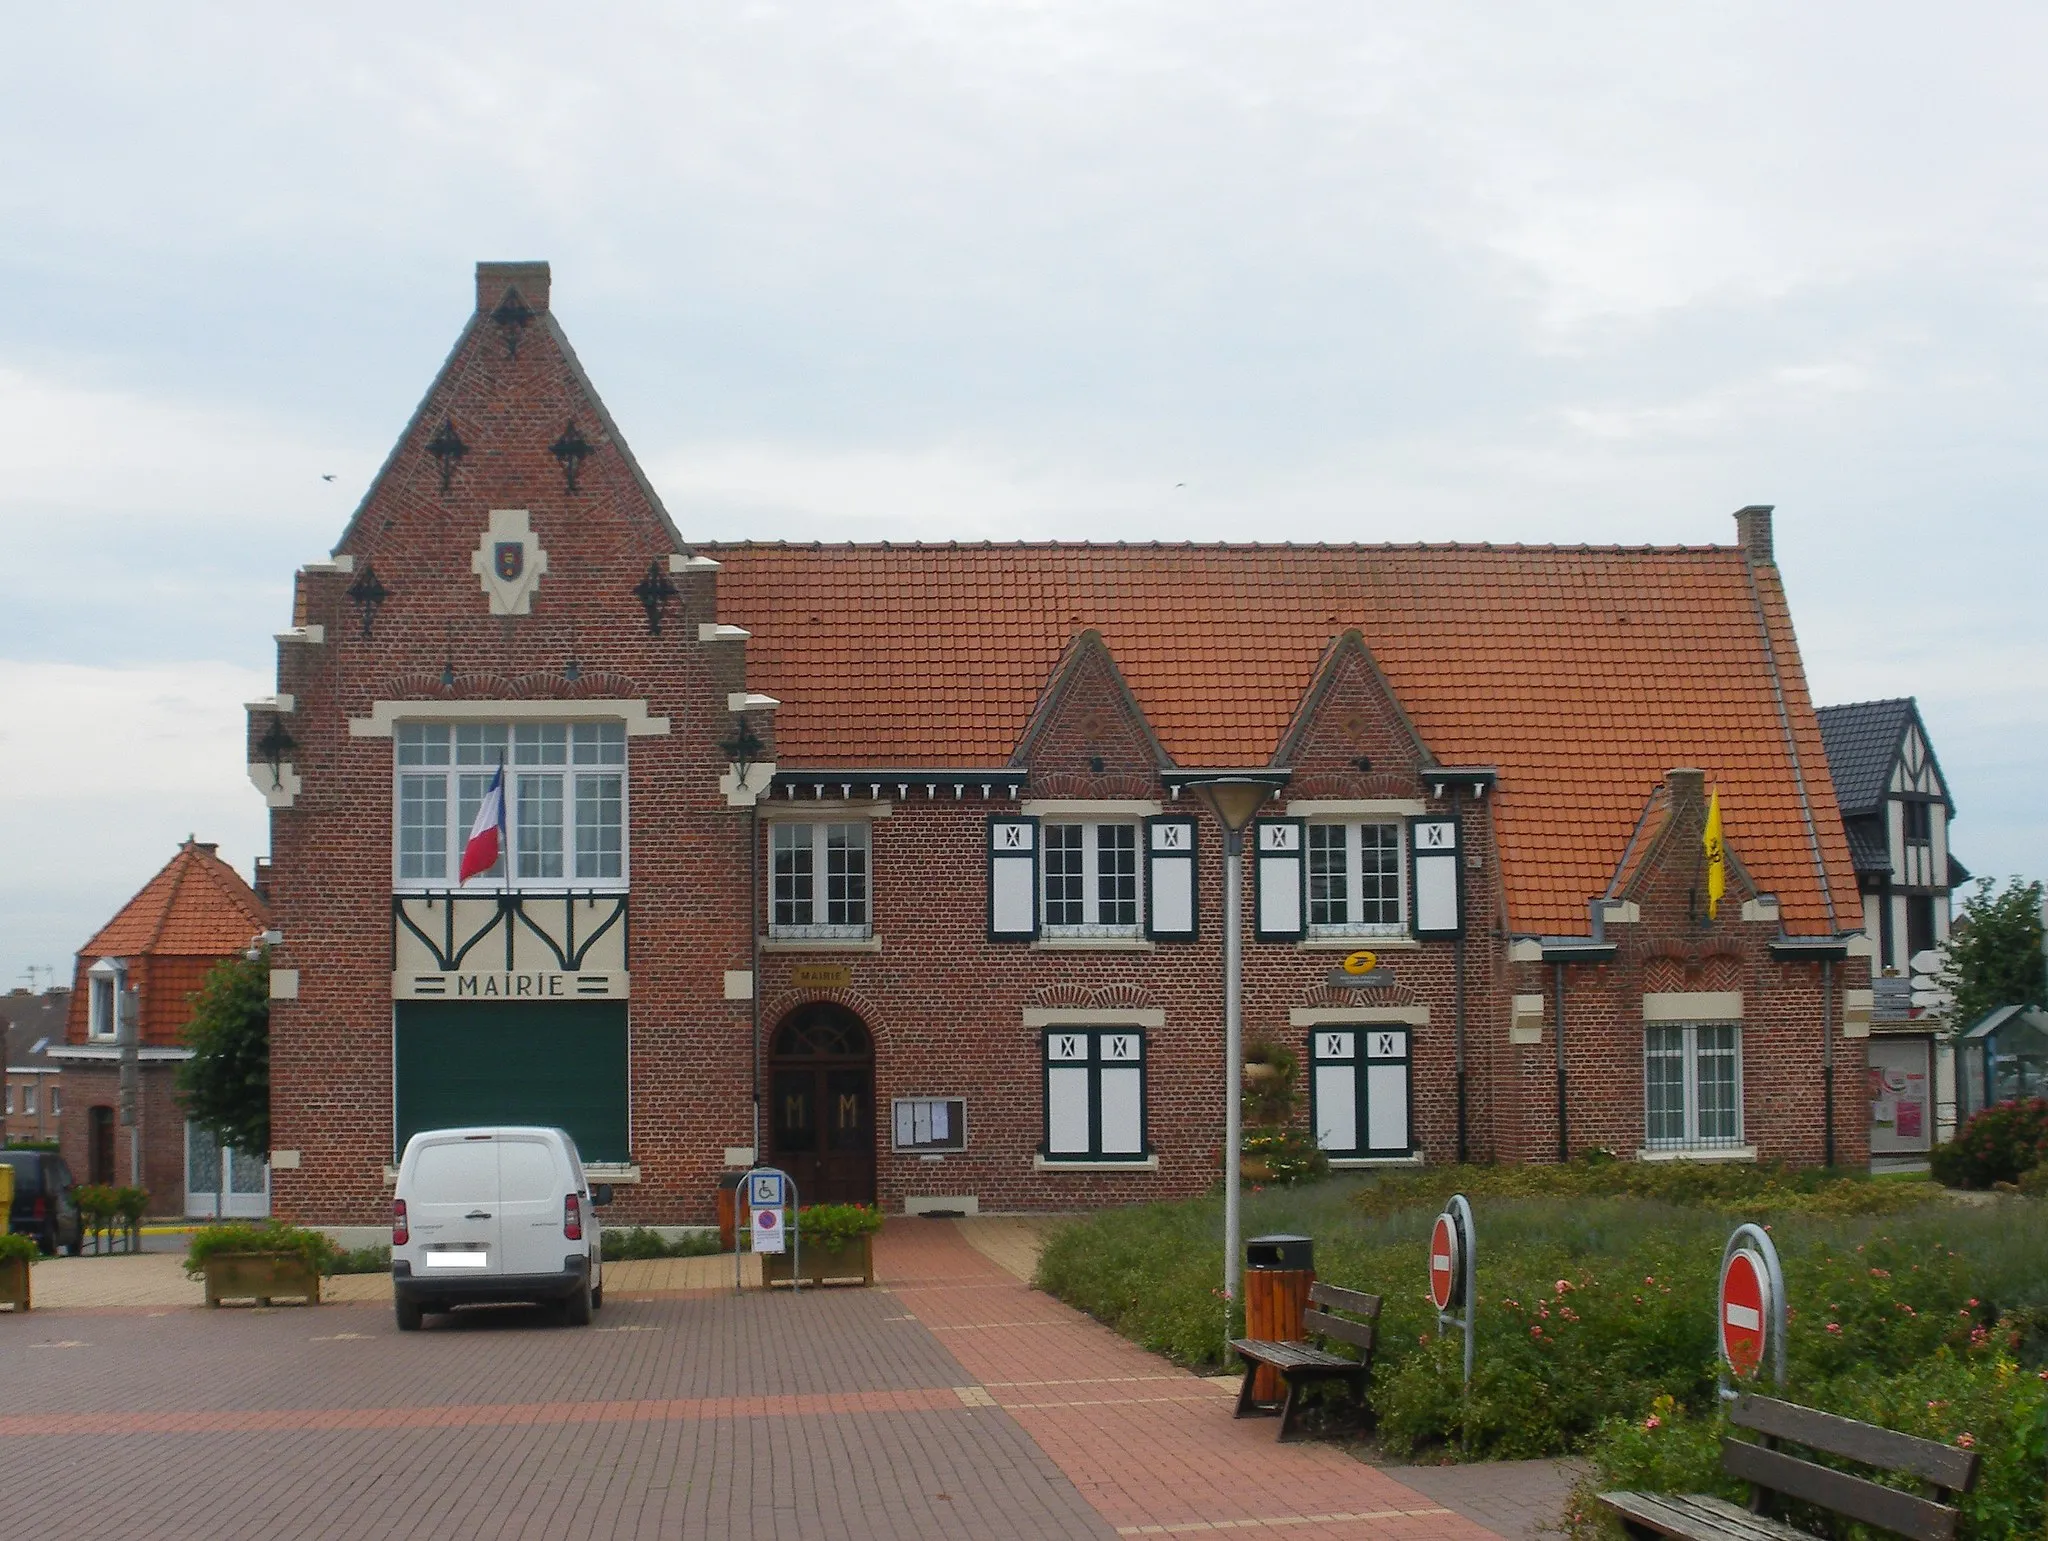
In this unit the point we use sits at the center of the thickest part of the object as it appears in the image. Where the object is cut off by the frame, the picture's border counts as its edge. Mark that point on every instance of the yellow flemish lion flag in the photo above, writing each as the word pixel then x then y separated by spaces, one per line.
pixel 1717 856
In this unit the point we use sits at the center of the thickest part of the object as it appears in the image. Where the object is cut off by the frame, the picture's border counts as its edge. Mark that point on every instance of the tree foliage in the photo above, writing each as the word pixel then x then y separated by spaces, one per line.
pixel 226 1083
pixel 1994 951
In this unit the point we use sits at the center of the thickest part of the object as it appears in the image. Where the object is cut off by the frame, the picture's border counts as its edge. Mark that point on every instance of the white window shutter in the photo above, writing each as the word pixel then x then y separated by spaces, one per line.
pixel 1333 1054
pixel 1386 1091
pixel 1436 883
pixel 1170 879
pixel 1122 1092
pixel 1012 878
pixel 1279 880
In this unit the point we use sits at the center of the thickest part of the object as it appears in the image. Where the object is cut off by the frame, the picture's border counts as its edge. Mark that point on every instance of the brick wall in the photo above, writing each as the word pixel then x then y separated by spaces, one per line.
pixel 98 1084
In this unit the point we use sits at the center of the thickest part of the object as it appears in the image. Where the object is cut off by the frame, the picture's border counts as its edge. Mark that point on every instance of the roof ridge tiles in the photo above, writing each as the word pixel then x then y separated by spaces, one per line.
pixel 1453 546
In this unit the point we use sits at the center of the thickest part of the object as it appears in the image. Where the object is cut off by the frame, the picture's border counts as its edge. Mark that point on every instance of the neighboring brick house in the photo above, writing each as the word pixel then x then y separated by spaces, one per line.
pixel 951 785
pixel 191 915
pixel 30 1023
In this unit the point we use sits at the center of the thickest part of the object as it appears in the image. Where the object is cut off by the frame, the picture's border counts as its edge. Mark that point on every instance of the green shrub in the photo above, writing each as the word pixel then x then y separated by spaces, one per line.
pixel 23 1247
pixel 49 1145
pixel 640 1244
pixel 1723 1187
pixel 271 1237
pixel 832 1226
pixel 375 1258
pixel 1995 1146
pixel 2034 1182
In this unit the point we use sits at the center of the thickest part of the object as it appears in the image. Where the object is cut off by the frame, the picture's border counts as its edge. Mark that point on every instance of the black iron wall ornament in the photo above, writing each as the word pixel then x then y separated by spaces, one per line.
pixel 274 745
pixel 655 594
pixel 744 747
pixel 571 450
pixel 368 594
pixel 512 316
pixel 447 447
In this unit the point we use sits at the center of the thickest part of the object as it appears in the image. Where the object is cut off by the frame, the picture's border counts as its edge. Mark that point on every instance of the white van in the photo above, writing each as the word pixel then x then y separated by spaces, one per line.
pixel 495 1215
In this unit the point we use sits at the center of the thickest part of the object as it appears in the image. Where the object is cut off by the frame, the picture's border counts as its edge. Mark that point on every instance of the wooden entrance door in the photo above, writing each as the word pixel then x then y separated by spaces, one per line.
pixel 99 1145
pixel 821 1105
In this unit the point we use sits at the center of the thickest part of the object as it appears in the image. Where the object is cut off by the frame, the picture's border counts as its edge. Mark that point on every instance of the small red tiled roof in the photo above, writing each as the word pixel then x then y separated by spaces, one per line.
pixel 197 906
pixel 1582 673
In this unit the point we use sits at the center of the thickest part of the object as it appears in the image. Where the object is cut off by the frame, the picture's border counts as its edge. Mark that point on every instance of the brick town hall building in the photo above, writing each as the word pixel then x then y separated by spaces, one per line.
pixel 898 837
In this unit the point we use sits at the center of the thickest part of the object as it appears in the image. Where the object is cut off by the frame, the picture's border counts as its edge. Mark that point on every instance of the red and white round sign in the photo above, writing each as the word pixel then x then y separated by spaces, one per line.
pixel 1745 1304
pixel 1445 1263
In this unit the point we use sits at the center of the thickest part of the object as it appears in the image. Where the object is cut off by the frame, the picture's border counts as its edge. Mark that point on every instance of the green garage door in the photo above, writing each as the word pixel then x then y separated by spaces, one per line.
pixel 556 1063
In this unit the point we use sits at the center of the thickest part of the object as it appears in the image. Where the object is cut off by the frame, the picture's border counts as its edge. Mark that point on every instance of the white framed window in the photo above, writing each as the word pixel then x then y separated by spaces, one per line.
pixel 1095 1094
pixel 56 1107
pixel 28 1096
pixel 1692 1085
pixel 819 880
pixel 565 801
pixel 10 1099
pixel 1356 879
pixel 1089 882
pixel 100 1017
pixel 1361 1095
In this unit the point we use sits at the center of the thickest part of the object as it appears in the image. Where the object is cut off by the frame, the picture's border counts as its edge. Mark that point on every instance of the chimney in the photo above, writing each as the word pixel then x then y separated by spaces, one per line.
pixel 1688 788
pixel 493 279
pixel 259 879
pixel 1753 533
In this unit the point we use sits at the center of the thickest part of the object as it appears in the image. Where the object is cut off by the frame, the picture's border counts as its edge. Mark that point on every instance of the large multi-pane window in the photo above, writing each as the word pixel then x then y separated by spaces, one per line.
pixel 1091 879
pixel 565 800
pixel 1692 1077
pixel 1354 878
pixel 820 880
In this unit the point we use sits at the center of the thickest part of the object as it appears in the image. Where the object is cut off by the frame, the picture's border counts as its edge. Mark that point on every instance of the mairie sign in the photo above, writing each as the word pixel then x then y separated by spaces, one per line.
pixel 522 985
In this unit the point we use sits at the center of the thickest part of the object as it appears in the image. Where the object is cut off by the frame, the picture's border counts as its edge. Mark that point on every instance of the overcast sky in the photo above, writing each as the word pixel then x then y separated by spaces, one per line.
pixel 1348 272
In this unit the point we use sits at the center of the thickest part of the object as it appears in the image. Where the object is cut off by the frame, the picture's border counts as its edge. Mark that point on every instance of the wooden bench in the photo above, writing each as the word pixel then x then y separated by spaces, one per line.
pixel 1300 1365
pixel 1774 1476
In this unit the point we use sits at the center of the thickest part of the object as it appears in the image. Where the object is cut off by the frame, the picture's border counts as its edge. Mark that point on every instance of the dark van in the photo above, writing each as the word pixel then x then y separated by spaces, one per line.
pixel 43 1203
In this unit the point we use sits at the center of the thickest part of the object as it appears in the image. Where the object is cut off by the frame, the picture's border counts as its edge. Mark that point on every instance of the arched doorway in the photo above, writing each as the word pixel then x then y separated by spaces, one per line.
pixel 821 1104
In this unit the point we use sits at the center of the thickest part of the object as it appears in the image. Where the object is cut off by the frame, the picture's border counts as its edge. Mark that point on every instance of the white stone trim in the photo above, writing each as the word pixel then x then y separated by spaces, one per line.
pixel 1092 1016
pixel 836 810
pixel 313 636
pixel 279 786
pixel 747 791
pixel 1363 941
pixel 342 563
pixel 1040 1164
pixel 1355 807
pixel 821 944
pixel 719 631
pixel 750 701
pixel 384 715
pixel 107 1053
pixel 1622 912
pixel 1365 1163
pixel 1704 1153
pixel 1094 944
pixel 1337 1016
pixel 284 984
pixel 1097 808
pixel 283 701
pixel 1693 1006
pixel 739 984
pixel 1764 907
pixel 284 1161
pixel 1525 1025
pixel 1525 950
pixel 679 563
pixel 925 1203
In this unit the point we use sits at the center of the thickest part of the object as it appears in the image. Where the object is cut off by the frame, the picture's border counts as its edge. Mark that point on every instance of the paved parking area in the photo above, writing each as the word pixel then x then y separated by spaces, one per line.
pixel 950 1402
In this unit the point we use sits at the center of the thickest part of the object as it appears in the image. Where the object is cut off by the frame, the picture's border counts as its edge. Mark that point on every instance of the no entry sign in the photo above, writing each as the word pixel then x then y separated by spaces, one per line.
pixel 1445 1263
pixel 1745 1311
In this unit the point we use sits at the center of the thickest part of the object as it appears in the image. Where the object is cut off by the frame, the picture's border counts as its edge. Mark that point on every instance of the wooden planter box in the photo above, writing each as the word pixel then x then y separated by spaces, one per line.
pixel 854 1261
pixel 14 1286
pixel 261 1277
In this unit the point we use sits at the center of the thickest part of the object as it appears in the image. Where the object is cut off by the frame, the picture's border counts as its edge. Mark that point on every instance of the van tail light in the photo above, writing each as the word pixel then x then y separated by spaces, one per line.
pixel 39 1208
pixel 401 1228
pixel 572 1218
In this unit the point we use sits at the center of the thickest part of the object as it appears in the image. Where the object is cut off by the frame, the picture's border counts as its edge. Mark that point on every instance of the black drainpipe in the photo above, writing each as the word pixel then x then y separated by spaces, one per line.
pixel 754 942
pixel 1827 1060
pixel 1564 1137
pixel 1458 962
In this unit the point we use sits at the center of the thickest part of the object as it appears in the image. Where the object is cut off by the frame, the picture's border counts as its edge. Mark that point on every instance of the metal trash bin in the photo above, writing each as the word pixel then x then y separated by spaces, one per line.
pixel 1277 1273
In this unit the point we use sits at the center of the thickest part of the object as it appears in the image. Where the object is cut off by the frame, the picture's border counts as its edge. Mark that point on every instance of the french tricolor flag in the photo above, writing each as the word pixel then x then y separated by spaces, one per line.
pixel 487 834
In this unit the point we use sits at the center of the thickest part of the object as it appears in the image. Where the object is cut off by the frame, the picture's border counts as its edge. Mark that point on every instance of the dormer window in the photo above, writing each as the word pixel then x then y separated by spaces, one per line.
pixel 103 1000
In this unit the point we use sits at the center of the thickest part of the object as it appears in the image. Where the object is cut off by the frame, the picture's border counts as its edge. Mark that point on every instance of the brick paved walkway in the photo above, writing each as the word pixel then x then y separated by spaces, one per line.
pixel 950 1402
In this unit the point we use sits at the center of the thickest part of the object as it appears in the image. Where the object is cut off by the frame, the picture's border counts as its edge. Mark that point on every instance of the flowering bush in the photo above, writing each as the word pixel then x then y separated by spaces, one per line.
pixel 1289 1155
pixel 1995 1146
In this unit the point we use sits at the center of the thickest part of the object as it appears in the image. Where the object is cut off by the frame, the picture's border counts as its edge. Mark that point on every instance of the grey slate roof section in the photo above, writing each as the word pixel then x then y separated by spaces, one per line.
pixel 32 1019
pixel 1862 742
pixel 1869 848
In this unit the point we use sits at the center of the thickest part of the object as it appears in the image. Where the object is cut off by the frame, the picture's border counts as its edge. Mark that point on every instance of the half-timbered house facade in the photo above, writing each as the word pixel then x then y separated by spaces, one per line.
pixel 880 862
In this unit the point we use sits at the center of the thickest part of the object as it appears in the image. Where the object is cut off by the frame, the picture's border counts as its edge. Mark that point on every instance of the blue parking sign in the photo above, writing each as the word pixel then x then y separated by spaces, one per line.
pixel 764 1190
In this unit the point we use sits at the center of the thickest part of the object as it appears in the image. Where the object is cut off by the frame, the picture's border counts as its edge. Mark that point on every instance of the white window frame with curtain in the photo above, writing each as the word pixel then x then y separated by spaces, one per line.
pixel 567 810
pixel 1338 904
pixel 821 881
pixel 102 1014
pixel 1692 1086
pixel 1095 1098
pixel 1091 892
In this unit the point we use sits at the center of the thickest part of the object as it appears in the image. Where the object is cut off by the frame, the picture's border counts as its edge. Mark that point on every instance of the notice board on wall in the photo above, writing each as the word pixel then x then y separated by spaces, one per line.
pixel 930 1124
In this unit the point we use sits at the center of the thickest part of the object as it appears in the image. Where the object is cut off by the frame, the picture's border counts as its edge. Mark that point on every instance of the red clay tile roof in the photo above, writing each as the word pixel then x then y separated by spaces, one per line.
pixel 197 906
pixel 1582 673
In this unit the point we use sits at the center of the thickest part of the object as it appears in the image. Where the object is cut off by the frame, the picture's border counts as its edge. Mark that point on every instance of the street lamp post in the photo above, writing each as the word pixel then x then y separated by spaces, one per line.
pixel 1234 799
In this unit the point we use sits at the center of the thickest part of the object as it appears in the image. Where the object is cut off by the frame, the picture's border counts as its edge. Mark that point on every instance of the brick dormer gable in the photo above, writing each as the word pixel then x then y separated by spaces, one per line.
pixel 1350 714
pixel 1088 736
pixel 1663 868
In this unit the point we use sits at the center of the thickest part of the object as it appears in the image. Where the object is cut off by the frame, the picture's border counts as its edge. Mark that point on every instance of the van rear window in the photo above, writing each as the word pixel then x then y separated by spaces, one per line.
pixel 455 1173
pixel 526 1171
pixel 28 1171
